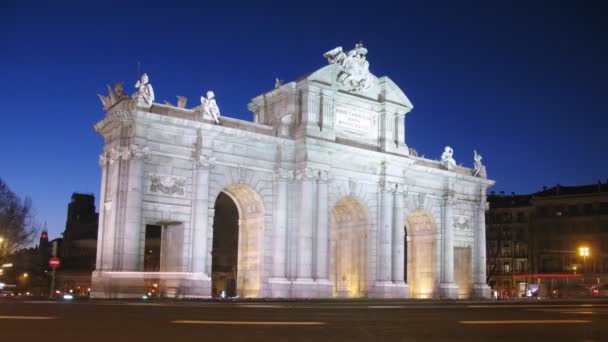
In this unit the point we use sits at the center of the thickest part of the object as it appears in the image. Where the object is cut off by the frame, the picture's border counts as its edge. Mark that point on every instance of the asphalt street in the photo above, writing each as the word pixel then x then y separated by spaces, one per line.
pixel 23 320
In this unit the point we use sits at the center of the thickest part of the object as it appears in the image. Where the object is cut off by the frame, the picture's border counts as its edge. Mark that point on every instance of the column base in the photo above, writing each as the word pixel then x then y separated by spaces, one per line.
pixel 481 291
pixel 310 288
pixel 448 291
pixel 116 284
pixel 388 289
pixel 279 287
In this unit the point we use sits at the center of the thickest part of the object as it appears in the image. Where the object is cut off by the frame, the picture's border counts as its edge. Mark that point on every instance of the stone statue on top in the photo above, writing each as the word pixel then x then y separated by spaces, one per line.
pixel 480 169
pixel 145 94
pixel 447 158
pixel 209 107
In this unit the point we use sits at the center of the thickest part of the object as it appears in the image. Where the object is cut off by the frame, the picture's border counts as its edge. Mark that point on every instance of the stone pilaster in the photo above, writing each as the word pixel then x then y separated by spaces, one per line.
pixel 311 112
pixel 326 119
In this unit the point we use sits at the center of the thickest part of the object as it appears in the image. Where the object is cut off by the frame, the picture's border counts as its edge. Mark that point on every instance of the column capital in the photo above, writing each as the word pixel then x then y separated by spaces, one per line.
pixel 204 162
pixel 401 190
pixel 325 177
pixel 284 175
pixel 306 174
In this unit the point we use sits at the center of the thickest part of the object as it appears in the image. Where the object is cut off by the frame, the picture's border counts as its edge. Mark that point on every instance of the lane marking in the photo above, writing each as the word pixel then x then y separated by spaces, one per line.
pixel 245 322
pixel 259 306
pixel 535 306
pixel 530 321
pixel 28 317
pixel 571 311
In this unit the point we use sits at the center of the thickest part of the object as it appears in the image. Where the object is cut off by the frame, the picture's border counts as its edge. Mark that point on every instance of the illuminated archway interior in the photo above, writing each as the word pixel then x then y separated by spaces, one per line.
pixel 421 253
pixel 238 227
pixel 349 246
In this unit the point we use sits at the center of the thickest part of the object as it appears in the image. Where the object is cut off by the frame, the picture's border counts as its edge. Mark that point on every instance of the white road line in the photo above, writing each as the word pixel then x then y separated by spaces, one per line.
pixel 530 321
pixel 28 317
pixel 525 306
pixel 245 322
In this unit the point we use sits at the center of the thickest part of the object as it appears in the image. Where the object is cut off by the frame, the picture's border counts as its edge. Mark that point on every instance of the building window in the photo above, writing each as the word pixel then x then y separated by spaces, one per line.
pixel 521 250
pixel 520 217
pixel 588 208
pixel 506 250
pixel 506 267
pixel 572 210
pixel 604 208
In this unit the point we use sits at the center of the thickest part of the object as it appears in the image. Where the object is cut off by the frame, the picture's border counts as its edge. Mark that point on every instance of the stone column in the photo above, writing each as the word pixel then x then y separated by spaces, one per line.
pixel 448 288
pixel 133 200
pixel 322 259
pixel 385 234
pixel 200 212
pixel 306 177
pixel 480 288
pixel 398 238
pixel 103 163
pixel 110 211
pixel 279 241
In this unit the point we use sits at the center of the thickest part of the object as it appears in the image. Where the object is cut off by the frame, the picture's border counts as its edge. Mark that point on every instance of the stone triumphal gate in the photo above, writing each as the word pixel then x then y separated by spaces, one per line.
pixel 327 199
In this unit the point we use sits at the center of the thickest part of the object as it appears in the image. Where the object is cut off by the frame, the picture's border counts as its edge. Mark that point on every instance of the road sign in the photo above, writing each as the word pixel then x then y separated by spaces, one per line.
pixel 54 262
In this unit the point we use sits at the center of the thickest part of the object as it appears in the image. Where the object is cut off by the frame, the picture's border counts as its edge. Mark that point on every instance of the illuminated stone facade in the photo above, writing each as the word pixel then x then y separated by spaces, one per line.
pixel 331 201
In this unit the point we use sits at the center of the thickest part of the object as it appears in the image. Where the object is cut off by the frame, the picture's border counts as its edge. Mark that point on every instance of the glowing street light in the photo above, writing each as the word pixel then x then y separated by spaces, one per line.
pixel 584 252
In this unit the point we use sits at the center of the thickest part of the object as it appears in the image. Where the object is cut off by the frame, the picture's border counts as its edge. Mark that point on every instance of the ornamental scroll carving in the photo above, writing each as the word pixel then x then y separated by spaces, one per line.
pixel 173 186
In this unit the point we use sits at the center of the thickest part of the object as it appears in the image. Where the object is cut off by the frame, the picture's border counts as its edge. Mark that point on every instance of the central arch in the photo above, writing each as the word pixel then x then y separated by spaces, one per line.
pixel 237 249
pixel 349 223
pixel 421 259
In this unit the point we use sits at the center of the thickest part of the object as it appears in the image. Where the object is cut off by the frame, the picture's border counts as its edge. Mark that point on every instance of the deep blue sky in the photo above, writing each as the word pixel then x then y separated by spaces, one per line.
pixel 525 84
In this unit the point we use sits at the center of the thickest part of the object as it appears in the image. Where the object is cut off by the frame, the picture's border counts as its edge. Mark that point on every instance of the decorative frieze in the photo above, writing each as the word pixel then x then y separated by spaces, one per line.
pixel 164 185
pixel 125 153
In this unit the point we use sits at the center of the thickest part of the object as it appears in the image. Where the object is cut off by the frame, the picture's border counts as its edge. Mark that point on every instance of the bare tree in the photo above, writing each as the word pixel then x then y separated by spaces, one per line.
pixel 17 227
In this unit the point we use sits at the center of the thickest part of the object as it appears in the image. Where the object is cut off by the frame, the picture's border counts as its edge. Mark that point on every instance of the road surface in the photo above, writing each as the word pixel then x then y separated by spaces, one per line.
pixel 23 320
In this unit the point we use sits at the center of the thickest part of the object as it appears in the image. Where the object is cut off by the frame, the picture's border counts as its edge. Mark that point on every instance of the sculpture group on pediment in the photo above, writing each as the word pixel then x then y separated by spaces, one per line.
pixel 354 72
pixel 447 158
